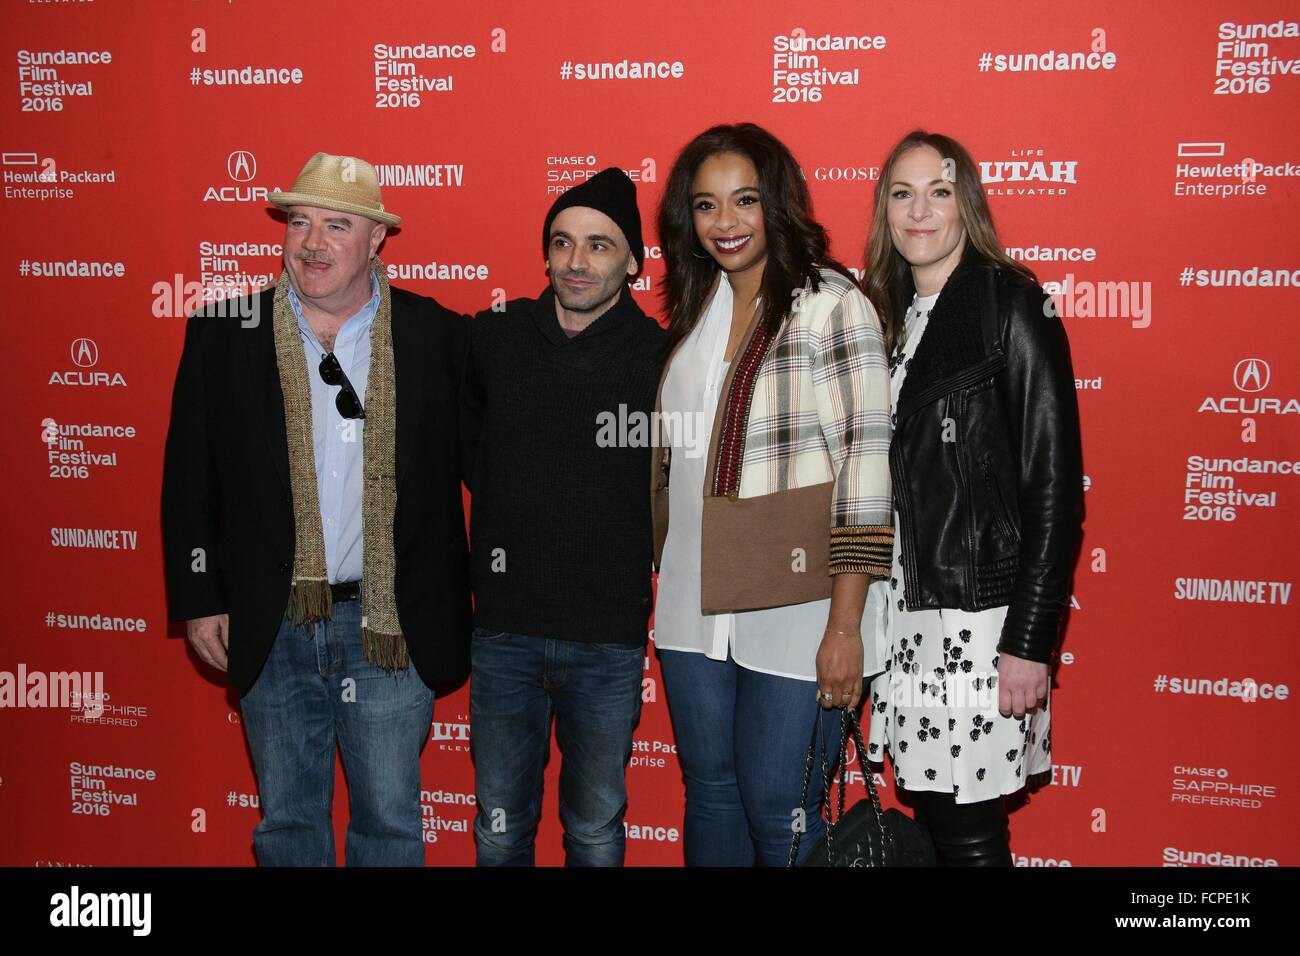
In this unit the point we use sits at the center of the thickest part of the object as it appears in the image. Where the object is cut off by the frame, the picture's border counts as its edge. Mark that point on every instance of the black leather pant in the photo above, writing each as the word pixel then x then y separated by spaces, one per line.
pixel 965 834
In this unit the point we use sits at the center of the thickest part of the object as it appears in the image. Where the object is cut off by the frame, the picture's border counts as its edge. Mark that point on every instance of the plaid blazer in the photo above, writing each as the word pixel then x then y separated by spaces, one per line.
pixel 818 411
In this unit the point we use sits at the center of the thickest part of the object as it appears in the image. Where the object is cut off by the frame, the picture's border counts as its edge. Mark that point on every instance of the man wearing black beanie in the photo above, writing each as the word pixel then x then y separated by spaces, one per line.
pixel 560 534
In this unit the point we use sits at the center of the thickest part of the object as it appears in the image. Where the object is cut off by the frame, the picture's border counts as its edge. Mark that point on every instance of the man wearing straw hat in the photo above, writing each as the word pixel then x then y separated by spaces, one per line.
pixel 313 529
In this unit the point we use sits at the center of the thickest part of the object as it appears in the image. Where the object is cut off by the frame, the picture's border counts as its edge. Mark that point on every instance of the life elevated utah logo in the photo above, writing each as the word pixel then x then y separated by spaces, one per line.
pixel 1029 172
pixel 1251 376
pixel 241 170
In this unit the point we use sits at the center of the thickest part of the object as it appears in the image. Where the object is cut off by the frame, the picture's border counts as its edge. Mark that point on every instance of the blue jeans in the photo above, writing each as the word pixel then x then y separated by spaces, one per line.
pixel 593 691
pixel 317 692
pixel 742 740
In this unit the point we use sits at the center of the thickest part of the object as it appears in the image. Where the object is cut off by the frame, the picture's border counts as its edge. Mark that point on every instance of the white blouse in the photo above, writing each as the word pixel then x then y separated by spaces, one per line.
pixel 780 640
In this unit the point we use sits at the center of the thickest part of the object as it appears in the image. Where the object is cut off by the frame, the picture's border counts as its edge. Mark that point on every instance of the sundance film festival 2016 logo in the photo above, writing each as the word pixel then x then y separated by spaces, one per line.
pixel 66 449
pixel 433 823
pixel 222 272
pixel 805 68
pixel 97 789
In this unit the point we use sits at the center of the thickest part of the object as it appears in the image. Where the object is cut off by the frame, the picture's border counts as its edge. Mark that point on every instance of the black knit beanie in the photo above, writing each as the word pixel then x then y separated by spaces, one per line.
pixel 610 191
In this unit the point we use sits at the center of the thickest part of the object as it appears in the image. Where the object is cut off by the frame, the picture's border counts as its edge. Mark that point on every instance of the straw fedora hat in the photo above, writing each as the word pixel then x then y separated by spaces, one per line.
pixel 341 183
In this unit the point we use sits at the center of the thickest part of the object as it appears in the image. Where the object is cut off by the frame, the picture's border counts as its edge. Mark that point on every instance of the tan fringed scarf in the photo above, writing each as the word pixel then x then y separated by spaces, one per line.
pixel 309 596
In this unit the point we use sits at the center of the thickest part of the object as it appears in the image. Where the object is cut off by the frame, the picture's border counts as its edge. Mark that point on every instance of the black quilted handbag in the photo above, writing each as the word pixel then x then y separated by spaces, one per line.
pixel 866 835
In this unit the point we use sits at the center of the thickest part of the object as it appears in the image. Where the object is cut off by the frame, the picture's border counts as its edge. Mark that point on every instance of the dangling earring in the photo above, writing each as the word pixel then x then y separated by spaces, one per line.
pixel 696 254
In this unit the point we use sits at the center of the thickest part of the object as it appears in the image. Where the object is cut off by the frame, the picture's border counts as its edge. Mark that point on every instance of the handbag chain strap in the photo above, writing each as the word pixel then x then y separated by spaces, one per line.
pixel 886 840
pixel 848 719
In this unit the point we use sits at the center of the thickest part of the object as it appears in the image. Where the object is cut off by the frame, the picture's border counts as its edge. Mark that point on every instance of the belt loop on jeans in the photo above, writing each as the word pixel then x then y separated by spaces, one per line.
pixel 346 591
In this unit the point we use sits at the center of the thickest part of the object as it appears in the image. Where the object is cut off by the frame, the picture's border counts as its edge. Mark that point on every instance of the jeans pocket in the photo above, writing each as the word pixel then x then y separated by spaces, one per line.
pixel 626 650
pixel 485 635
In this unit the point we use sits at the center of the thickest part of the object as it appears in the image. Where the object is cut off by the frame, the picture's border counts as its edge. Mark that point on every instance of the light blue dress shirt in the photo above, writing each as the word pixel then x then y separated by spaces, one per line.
pixel 338 441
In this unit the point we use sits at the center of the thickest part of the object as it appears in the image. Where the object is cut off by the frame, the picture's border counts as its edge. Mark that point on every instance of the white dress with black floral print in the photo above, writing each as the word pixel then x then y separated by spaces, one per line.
pixel 934 710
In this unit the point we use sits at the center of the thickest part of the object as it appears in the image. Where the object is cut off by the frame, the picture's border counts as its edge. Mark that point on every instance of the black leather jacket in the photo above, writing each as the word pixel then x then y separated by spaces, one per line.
pixel 986 459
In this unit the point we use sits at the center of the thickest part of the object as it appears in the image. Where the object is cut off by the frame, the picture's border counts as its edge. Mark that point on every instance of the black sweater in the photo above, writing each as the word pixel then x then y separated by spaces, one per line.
pixel 560 537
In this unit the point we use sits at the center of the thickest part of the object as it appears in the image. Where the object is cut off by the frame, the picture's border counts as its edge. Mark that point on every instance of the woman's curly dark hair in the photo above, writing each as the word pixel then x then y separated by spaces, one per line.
pixel 796 242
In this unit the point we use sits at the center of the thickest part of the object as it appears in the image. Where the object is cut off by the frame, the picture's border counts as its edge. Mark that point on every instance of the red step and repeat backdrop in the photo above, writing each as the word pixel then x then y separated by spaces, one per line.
pixel 1142 158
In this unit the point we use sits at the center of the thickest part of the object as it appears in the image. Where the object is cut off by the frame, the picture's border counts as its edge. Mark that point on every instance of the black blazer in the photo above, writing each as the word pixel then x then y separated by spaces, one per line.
pixel 226 485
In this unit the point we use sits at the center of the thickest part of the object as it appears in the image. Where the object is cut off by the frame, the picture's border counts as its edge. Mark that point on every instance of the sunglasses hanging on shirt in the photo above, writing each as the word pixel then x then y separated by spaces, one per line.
pixel 346 401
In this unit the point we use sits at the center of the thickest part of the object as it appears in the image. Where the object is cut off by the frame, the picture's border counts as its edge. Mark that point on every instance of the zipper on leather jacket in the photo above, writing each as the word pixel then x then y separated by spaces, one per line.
pixel 968 568
pixel 999 503
pixel 976 373
pixel 907 547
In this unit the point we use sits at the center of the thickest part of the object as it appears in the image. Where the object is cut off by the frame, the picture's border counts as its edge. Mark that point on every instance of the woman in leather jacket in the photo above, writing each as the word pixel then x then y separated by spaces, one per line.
pixel 988 498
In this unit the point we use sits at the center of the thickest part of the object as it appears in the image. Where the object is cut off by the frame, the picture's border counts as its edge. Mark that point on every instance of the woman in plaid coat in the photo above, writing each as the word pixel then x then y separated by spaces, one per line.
pixel 774 416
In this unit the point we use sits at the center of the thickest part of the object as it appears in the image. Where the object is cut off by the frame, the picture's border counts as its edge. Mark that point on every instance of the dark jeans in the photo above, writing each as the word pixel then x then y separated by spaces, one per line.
pixel 742 740
pixel 593 691
pixel 317 692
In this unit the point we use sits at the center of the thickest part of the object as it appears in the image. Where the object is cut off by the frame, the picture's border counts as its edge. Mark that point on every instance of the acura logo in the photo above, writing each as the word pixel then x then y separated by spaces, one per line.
pixel 241 165
pixel 1251 375
pixel 85 353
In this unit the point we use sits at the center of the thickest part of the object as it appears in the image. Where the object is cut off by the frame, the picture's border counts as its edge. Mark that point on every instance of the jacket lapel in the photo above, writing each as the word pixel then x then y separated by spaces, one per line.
pixel 407 386
pixel 264 374
pixel 715 436
pixel 957 348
